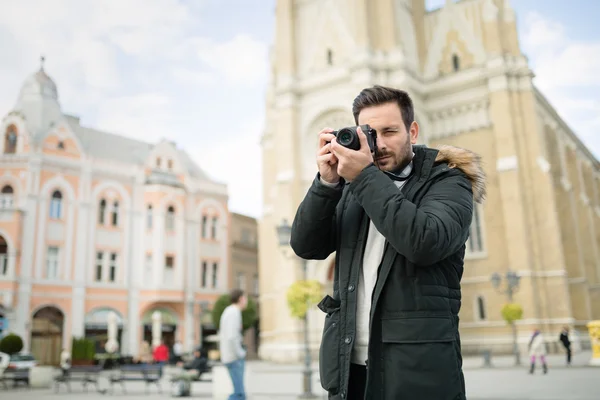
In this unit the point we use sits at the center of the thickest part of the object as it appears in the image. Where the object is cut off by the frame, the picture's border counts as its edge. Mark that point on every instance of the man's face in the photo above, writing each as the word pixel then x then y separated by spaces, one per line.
pixel 243 302
pixel 394 143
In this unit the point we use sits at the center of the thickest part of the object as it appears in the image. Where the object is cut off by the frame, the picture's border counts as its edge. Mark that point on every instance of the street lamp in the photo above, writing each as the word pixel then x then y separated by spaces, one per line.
pixel 512 285
pixel 284 233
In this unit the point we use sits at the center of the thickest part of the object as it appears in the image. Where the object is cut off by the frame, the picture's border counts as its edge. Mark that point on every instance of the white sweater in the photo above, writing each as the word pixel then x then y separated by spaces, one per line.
pixel 366 282
pixel 230 335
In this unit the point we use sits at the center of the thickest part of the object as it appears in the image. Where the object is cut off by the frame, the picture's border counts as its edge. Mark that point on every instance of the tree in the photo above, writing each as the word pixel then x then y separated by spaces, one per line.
pixel 303 294
pixel 249 315
pixel 11 344
pixel 512 312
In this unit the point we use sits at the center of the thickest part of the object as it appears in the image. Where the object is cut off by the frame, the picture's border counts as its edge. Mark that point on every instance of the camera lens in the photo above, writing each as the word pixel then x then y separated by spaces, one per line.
pixel 345 138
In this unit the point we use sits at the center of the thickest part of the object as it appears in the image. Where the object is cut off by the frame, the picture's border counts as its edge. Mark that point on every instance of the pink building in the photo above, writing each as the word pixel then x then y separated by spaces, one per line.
pixel 92 222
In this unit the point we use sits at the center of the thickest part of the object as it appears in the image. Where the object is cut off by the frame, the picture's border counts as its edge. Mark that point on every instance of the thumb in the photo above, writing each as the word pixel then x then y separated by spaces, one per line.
pixel 363 139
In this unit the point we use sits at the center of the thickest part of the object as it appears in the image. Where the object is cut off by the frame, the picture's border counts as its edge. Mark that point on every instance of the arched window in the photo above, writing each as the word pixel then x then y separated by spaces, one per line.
pixel 149 217
pixel 10 140
pixel 170 221
pixel 481 308
pixel 7 197
pixel 213 231
pixel 455 62
pixel 56 205
pixel 102 212
pixel 115 213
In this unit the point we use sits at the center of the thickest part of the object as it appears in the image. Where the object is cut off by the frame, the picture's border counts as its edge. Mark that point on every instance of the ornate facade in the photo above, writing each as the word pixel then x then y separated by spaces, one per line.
pixel 92 222
pixel 472 87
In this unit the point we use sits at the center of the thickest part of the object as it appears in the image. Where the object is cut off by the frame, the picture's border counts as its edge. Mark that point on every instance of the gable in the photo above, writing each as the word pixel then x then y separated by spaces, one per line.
pixel 453 33
pixel 61 141
pixel 328 37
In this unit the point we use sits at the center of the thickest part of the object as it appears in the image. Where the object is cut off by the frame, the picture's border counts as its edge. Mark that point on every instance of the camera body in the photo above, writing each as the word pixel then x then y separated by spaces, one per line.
pixel 348 137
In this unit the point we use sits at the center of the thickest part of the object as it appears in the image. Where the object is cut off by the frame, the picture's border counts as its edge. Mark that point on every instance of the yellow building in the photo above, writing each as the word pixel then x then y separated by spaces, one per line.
pixel 472 87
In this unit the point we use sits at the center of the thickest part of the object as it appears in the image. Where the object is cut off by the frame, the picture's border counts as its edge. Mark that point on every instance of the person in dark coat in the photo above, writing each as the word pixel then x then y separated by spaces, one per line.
pixel 398 219
pixel 566 342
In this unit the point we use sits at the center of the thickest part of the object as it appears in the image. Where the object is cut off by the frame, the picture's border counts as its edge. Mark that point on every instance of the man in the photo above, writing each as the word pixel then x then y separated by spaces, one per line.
pixel 231 348
pixel 398 221
pixel 566 342
pixel 177 351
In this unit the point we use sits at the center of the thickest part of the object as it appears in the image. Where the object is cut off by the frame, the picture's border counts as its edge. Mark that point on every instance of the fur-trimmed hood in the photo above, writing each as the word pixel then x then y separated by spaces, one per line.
pixel 469 163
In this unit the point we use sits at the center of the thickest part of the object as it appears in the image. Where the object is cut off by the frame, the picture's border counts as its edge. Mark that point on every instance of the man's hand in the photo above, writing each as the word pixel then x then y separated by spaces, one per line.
pixel 326 161
pixel 352 162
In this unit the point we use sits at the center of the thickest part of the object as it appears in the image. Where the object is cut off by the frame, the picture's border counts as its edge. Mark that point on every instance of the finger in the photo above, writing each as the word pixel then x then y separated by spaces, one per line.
pixel 325 136
pixel 325 149
pixel 339 150
pixel 364 144
pixel 329 158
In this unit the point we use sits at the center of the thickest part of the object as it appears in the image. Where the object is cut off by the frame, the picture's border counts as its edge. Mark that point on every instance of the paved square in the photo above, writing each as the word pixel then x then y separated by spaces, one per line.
pixel 266 381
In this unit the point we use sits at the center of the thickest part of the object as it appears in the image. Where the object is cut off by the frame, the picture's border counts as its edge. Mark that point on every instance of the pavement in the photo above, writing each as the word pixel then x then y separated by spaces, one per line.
pixel 268 381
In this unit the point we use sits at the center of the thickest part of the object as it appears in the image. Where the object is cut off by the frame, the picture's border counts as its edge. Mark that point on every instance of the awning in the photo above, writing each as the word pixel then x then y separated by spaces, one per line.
pixel 98 318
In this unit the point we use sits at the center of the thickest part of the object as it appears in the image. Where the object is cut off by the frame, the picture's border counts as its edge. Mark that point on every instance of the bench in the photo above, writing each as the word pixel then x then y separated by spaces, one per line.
pixel 15 376
pixel 148 373
pixel 79 373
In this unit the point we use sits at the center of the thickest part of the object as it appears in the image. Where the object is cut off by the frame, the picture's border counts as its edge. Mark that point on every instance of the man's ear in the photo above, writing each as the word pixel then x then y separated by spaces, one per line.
pixel 414 132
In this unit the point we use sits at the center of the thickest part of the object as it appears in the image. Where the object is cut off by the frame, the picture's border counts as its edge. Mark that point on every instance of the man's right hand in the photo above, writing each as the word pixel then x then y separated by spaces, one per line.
pixel 326 161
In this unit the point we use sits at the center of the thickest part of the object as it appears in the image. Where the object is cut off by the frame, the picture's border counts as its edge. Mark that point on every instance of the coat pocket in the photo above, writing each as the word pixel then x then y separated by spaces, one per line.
pixel 329 352
pixel 420 357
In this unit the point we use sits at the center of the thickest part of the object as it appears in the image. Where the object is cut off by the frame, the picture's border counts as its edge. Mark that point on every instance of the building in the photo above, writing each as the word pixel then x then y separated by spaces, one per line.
pixel 92 222
pixel 472 87
pixel 244 268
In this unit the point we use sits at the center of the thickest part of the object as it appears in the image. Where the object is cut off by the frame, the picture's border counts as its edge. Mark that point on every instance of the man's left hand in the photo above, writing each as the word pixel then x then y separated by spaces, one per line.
pixel 352 162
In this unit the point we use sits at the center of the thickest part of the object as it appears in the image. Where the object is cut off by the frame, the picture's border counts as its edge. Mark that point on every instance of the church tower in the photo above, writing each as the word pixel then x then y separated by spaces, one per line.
pixel 471 87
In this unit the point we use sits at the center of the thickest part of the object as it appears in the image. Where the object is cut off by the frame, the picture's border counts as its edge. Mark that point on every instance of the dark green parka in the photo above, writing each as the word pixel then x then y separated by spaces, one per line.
pixel 414 345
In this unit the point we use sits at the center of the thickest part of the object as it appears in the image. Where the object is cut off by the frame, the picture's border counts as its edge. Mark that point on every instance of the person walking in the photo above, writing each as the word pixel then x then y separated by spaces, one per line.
pixel 537 348
pixel 231 348
pixel 566 342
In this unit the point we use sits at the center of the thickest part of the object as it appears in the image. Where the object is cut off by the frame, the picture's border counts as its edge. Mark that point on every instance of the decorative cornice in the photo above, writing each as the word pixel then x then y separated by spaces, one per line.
pixel 455 120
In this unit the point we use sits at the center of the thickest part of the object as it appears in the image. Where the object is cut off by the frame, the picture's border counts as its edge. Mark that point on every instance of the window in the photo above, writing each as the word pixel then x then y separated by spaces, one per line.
pixel 56 205
pixel 169 262
pixel 213 231
pixel 246 236
pixel 148 269
pixel 481 308
pixel 115 213
pixel 204 222
pixel 204 272
pixel 158 162
pixel 102 212
pixel 10 140
pixel 61 145
pixel 241 280
pixel 52 263
pixel 112 268
pixel 455 62
pixel 170 165
pixel 99 266
pixel 149 217
pixel 6 197
pixel 256 284
pixel 3 257
pixel 214 275
pixel 170 222
pixel 329 57
pixel 475 241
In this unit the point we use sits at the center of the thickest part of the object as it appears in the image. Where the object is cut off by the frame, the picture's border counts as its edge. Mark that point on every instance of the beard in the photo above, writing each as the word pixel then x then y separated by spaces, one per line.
pixel 394 162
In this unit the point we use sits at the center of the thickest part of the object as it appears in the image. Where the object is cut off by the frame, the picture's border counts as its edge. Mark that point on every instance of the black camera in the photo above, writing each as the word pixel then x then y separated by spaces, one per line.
pixel 348 137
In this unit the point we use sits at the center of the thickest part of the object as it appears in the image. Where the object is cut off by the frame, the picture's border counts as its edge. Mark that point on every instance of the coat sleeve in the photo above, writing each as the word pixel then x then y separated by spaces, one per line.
pixel 426 234
pixel 313 229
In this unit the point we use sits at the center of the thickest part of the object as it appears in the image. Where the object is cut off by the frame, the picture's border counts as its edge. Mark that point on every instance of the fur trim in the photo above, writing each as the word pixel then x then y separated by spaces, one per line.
pixel 469 163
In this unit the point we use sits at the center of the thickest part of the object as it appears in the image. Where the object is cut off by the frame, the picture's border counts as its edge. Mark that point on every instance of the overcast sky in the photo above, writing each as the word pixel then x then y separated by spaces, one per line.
pixel 194 71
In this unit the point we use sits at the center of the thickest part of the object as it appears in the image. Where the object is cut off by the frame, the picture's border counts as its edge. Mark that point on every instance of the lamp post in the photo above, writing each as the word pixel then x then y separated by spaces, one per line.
pixel 512 285
pixel 284 233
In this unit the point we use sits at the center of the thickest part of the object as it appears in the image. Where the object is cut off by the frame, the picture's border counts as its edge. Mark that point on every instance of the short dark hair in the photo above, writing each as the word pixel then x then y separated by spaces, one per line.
pixel 377 95
pixel 236 295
